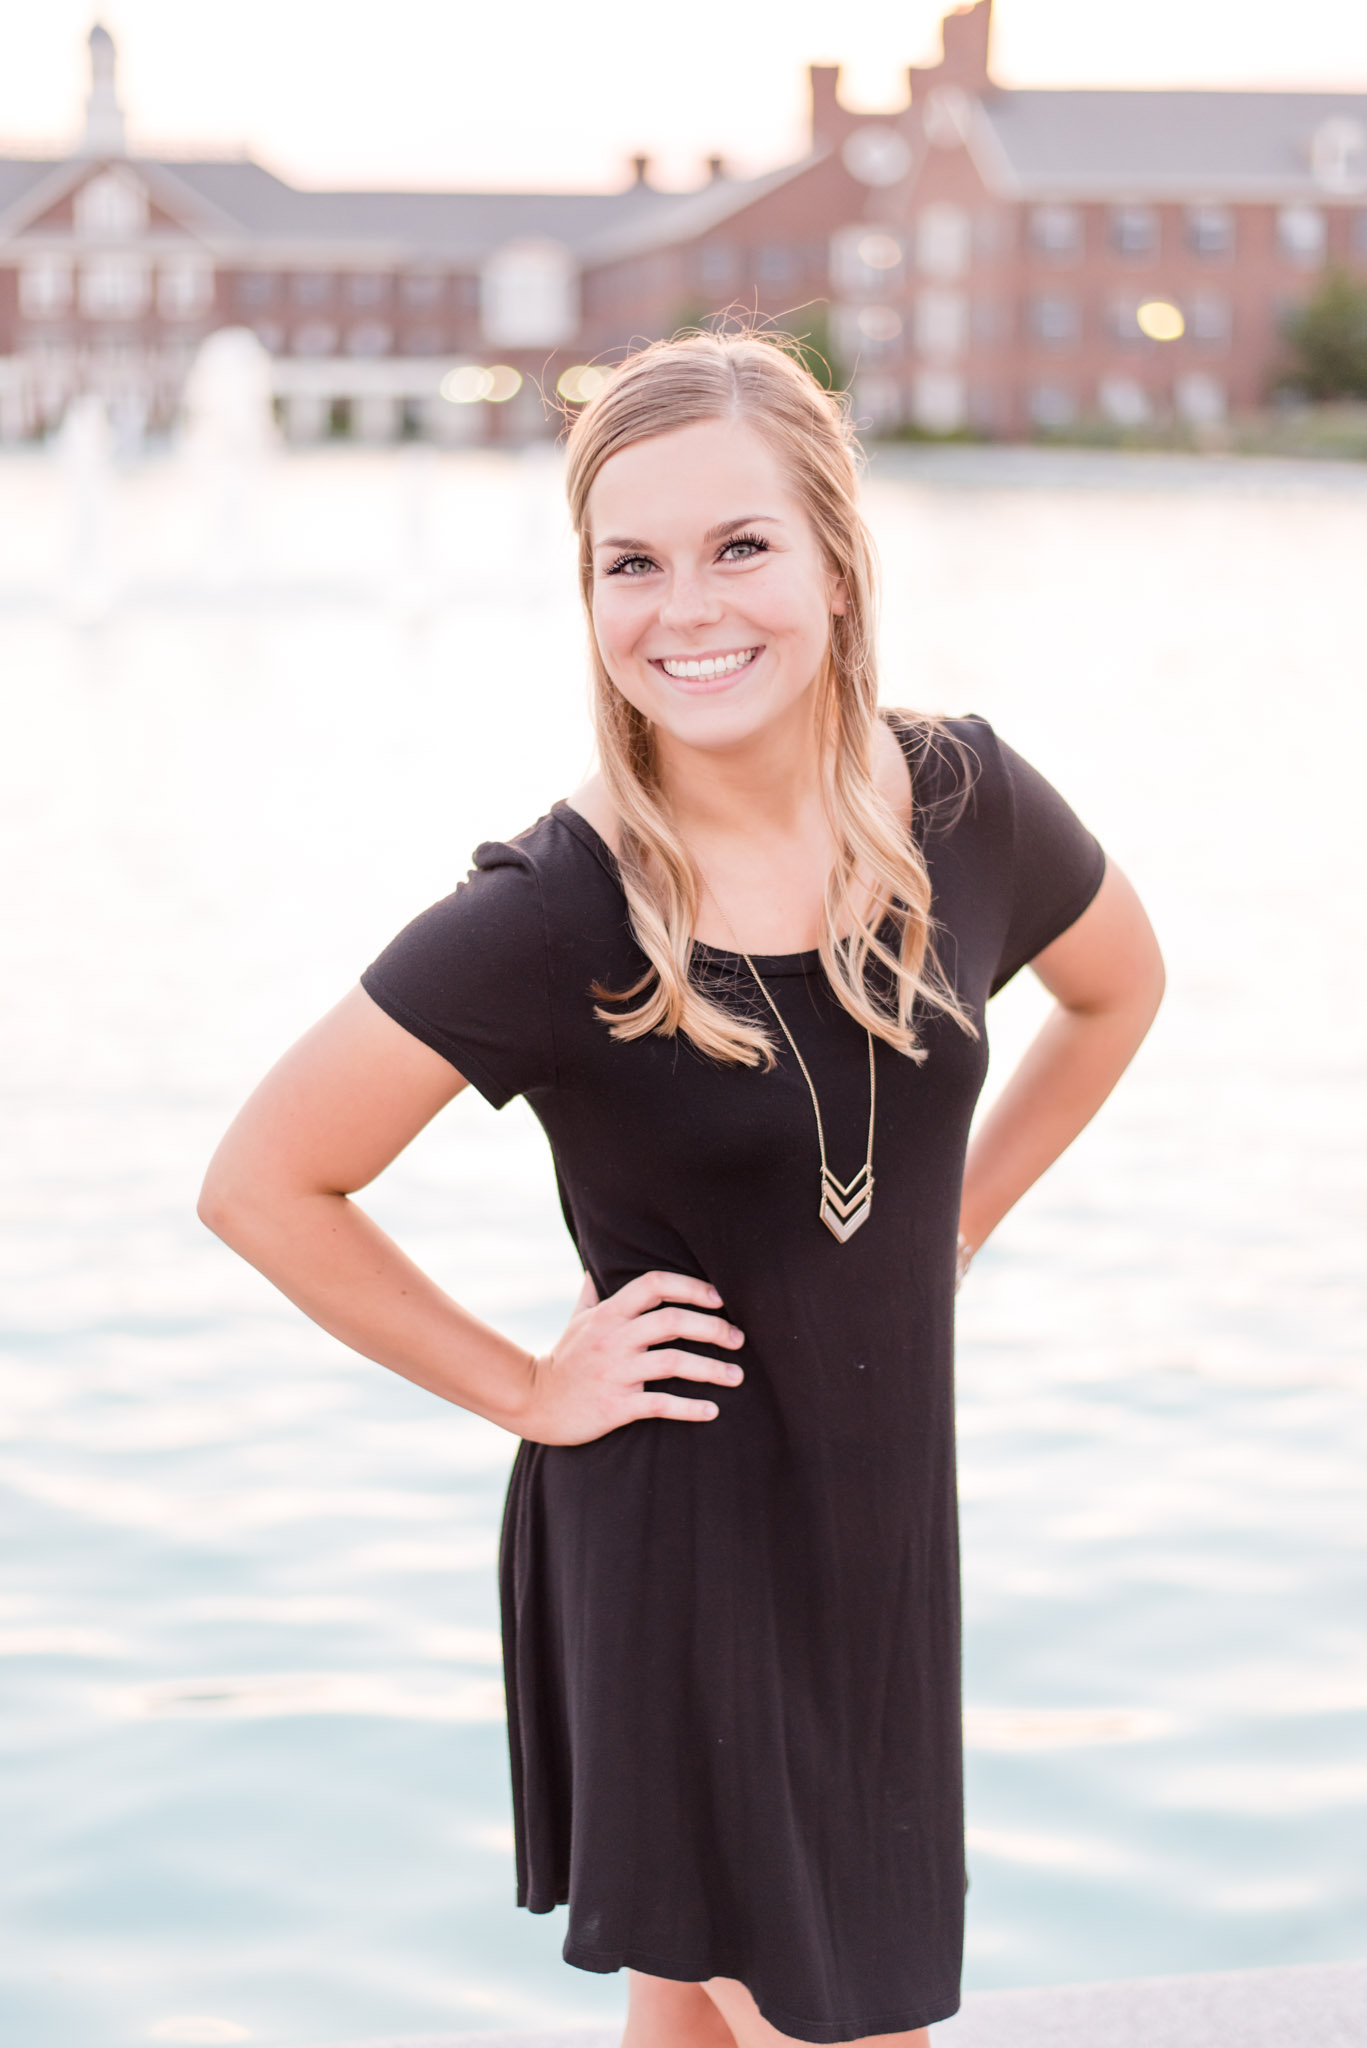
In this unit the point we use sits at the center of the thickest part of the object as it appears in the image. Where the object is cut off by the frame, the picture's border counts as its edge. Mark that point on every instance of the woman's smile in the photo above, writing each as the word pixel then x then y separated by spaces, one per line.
pixel 705 671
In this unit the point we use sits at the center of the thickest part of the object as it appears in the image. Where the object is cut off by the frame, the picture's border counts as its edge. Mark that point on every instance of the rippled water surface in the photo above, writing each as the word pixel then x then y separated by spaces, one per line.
pixel 253 1780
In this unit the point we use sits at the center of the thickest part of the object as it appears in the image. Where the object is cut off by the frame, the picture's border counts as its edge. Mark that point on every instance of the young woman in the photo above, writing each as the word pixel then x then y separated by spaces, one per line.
pixel 740 976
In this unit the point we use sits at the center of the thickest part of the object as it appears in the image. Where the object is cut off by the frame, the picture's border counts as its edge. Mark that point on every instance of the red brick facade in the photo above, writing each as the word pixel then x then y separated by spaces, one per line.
pixel 976 259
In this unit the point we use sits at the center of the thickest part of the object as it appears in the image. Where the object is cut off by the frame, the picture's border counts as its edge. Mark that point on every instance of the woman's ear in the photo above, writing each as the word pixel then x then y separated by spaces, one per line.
pixel 840 598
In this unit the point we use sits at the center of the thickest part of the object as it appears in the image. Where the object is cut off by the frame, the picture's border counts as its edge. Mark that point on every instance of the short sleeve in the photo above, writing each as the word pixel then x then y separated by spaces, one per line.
pixel 1056 866
pixel 470 977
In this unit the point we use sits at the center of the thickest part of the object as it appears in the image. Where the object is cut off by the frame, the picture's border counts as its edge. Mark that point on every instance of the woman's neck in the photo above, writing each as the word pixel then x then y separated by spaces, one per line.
pixel 768 787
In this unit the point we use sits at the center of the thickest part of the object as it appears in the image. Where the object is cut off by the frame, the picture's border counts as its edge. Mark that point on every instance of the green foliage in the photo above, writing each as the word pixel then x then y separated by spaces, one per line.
pixel 811 332
pixel 1328 339
pixel 807 333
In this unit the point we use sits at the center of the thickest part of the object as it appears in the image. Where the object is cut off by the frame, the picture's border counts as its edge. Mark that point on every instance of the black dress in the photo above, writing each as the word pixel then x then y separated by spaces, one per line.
pixel 732 1647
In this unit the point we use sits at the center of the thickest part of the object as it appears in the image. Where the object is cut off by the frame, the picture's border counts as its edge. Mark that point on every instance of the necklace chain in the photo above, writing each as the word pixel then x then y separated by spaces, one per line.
pixel 844 1204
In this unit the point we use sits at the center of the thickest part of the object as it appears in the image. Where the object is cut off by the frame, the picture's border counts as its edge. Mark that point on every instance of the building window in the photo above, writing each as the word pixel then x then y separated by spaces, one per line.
pixel 366 288
pixel 938 400
pixel 944 240
pixel 420 288
pixel 254 287
pixel 1210 230
pixel 114 287
pixel 1201 399
pixel 1134 230
pixel 315 338
pixel 111 204
pixel 1125 402
pixel 1210 320
pixel 778 263
pixel 529 295
pixel 44 288
pixel 1055 320
pixel 1056 231
pixel 1301 233
pixel 717 265
pixel 425 341
pixel 371 338
pixel 941 323
pixel 878 400
pixel 1338 154
pixel 185 290
pixel 1052 406
pixel 312 288
pixel 1122 320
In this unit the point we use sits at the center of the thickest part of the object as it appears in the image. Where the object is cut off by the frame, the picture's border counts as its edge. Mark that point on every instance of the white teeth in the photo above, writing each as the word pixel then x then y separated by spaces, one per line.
pixel 710 666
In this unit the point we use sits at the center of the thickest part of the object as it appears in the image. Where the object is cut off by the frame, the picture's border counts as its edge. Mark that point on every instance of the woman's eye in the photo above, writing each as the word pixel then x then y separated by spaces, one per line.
pixel 630 565
pixel 751 543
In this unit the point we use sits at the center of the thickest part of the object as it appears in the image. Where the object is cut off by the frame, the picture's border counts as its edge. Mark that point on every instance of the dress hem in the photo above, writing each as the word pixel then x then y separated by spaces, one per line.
pixel 822 2032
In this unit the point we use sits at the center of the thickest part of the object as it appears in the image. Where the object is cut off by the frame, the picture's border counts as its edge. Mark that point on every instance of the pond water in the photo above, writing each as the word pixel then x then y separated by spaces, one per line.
pixel 252 1778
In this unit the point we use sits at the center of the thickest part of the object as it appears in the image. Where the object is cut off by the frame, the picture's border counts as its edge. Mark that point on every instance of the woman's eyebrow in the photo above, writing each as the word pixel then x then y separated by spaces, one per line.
pixel 619 540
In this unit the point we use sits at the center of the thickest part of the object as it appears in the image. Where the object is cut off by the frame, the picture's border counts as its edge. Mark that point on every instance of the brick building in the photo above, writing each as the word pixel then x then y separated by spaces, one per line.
pixel 980 257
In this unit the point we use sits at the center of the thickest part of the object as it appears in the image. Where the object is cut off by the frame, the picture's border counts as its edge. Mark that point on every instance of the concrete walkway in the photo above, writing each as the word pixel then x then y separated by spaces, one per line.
pixel 1318 2005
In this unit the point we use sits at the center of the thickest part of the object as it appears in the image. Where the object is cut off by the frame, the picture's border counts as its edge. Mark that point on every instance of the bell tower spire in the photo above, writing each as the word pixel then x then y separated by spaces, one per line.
pixel 103 134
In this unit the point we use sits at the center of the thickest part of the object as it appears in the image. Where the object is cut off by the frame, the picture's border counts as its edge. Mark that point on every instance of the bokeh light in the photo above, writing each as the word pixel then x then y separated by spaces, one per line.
pixel 880 252
pixel 581 382
pixel 1160 320
pixel 467 384
pixel 504 383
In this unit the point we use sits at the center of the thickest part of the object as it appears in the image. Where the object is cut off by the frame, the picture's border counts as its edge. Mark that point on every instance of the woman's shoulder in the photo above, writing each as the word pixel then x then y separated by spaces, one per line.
pixel 955 763
pixel 554 846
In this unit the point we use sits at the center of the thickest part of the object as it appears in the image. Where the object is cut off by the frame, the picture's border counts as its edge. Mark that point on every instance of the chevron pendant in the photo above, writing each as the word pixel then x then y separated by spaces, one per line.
pixel 845 1204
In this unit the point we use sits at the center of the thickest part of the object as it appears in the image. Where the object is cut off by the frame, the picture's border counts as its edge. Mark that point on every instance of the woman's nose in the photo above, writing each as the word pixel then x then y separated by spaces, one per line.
pixel 689 603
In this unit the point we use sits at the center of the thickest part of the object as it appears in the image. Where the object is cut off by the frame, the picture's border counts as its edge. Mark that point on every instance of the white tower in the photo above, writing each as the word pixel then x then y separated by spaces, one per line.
pixel 104 134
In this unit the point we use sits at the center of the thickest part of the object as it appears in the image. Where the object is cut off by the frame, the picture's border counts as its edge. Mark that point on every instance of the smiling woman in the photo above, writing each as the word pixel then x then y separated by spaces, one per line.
pixel 731 1650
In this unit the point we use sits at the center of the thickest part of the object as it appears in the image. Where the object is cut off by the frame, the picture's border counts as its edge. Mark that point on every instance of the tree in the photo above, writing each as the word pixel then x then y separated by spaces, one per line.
pixel 1328 337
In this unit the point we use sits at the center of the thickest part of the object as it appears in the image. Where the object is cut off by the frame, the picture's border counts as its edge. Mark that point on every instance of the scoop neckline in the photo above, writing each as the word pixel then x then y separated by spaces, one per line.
pixel 804 962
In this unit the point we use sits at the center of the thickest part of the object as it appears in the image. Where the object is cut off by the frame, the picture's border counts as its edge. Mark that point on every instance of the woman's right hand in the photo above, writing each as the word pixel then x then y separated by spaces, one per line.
pixel 593 1380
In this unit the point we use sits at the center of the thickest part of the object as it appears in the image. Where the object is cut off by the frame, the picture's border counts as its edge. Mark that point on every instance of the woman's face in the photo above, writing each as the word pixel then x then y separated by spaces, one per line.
pixel 712 602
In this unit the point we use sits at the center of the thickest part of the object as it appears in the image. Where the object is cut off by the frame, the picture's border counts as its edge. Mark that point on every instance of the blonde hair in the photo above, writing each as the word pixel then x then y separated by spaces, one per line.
pixel 754 377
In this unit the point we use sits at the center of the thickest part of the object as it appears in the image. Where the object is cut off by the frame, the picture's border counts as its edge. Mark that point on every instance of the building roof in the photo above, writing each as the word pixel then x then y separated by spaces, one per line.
pixel 239 198
pixel 1244 145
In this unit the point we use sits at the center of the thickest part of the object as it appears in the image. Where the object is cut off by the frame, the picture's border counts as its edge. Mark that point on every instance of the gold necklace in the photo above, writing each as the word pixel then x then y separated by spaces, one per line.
pixel 845 1205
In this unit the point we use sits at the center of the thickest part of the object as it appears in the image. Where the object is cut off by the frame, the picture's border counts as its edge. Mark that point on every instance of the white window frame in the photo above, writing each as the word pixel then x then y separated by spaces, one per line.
pixel 1302 233
pixel 45 287
pixel 115 286
pixel 185 288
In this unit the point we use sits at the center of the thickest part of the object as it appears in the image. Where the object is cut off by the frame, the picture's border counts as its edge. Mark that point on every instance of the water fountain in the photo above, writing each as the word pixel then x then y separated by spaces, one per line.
pixel 227 438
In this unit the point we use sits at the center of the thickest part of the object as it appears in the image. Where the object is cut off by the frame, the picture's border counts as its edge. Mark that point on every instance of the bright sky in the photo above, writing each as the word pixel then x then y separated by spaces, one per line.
pixel 546 93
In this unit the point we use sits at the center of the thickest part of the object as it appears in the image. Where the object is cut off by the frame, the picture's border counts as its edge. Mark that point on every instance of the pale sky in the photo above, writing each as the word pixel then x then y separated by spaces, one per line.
pixel 557 93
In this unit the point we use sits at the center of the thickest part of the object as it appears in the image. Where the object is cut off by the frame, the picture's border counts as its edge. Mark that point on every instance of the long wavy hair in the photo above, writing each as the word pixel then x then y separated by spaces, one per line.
pixel 876 937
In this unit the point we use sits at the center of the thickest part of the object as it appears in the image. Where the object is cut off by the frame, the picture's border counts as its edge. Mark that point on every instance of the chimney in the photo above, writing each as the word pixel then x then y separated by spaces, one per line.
pixel 964 38
pixel 829 119
pixel 641 167
pixel 716 169
pixel 103 134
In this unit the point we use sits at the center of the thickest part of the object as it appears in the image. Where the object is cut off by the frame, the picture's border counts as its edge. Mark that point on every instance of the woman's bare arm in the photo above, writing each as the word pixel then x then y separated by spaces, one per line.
pixel 1106 976
pixel 329 1117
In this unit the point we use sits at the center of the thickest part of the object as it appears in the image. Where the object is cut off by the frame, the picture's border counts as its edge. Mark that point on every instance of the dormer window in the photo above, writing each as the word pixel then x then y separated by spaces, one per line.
pixel 1338 155
pixel 110 206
